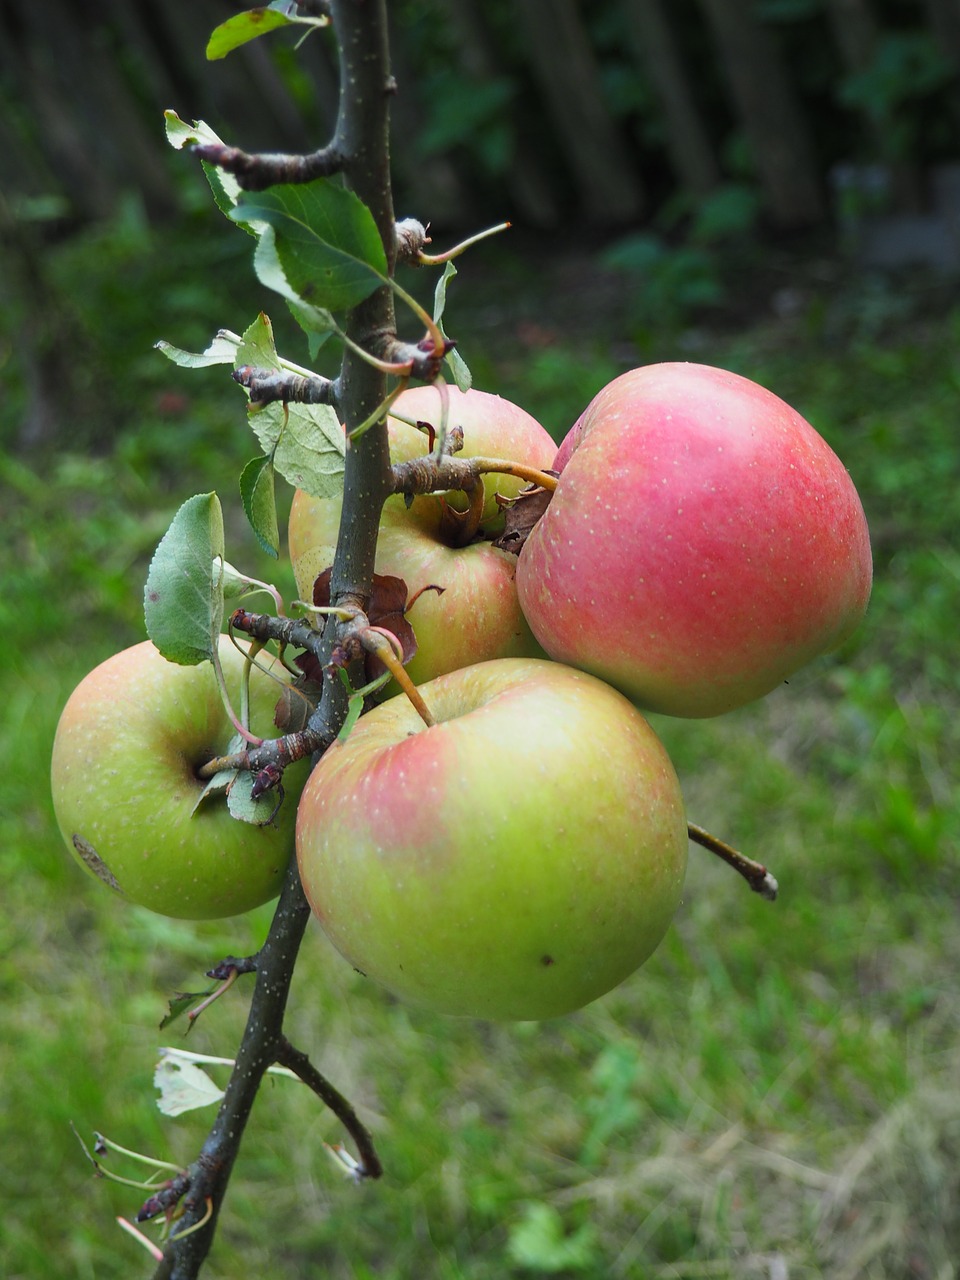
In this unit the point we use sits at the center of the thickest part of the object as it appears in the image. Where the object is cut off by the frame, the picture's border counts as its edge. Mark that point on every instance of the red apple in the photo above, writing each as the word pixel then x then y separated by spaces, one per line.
pixel 517 859
pixel 703 542
pixel 478 616
pixel 126 794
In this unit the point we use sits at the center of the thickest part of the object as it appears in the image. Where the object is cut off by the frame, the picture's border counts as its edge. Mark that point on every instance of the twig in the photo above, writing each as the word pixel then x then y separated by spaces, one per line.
pixel 755 873
pixel 256 172
pixel 298 1062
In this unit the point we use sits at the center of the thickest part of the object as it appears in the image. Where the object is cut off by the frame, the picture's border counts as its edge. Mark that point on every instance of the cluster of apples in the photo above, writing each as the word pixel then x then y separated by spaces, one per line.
pixel 525 853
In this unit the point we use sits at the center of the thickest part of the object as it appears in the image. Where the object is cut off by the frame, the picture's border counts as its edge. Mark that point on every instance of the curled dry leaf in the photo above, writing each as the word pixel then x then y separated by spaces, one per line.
pixel 521 514
pixel 387 609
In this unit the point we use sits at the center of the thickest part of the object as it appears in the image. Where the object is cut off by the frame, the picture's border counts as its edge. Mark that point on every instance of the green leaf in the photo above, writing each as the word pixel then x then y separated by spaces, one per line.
pixel 257 345
pixel 538 1242
pixel 455 362
pixel 242 805
pixel 183 601
pixel 236 585
pixel 258 494
pixel 221 350
pixel 327 242
pixel 307 444
pixel 245 27
pixel 182 1002
pixel 225 187
pixel 440 292
pixel 241 29
pixel 305 441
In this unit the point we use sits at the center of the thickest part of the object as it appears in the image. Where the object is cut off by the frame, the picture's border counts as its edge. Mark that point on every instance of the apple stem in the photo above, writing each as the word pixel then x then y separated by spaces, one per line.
pixel 384 645
pixel 756 875
pixel 235 720
pixel 435 259
pixel 154 1250
pixel 544 479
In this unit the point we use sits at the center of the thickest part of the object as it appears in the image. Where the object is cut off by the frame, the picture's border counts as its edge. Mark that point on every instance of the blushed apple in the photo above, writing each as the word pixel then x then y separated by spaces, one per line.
pixel 517 859
pixel 478 616
pixel 124 786
pixel 703 542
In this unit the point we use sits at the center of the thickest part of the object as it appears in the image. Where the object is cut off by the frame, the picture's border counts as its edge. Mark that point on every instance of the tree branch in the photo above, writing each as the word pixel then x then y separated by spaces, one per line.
pixel 360 150
pixel 209 1175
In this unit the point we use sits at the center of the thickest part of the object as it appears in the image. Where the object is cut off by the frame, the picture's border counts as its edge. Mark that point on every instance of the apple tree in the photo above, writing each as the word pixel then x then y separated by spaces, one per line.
pixel 470 596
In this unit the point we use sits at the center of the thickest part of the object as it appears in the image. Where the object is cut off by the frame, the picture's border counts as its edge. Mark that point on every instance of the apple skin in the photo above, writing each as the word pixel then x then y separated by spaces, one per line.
pixel 122 778
pixel 478 616
pixel 516 860
pixel 703 542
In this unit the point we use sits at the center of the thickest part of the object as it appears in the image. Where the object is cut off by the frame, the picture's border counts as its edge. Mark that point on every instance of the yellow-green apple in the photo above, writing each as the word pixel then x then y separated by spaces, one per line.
pixel 703 542
pixel 477 617
pixel 517 859
pixel 125 790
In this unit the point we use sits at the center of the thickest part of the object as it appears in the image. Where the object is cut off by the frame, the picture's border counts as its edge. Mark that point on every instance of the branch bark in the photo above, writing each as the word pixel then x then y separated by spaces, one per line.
pixel 362 134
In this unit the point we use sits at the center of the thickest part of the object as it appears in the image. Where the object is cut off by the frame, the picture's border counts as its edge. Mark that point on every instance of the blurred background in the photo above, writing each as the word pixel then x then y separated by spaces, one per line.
pixel 768 185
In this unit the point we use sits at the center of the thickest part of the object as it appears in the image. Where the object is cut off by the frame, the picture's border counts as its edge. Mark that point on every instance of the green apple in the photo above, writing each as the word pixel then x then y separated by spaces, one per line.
pixel 517 859
pixel 478 616
pixel 703 542
pixel 126 794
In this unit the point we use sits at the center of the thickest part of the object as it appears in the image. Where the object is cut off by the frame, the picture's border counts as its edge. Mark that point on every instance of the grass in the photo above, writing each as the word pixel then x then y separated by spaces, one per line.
pixel 774 1095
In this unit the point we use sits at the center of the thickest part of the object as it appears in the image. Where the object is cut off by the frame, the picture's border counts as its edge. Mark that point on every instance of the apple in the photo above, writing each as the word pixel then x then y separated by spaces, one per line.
pixel 478 616
pixel 124 786
pixel 703 542
pixel 517 859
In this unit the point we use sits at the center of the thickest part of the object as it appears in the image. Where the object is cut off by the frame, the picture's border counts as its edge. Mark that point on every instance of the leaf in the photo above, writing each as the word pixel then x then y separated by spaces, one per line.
pixel 308 446
pixel 305 441
pixel 235 584
pixel 241 29
pixel 243 807
pixel 244 27
pixel 296 704
pixel 538 1242
pixel 386 608
pixel 182 600
pixel 354 712
pixel 220 783
pixel 183 1086
pixel 225 187
pixel 522 514
pixel 440 292
pixel 455 362
pixel 258 495
pixel 327 242
pixel 257 345
pixel 222 350
pixel 181 1002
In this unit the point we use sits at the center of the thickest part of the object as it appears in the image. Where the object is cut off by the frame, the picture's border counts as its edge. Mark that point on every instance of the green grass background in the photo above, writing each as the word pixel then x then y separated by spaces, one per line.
pixel 776 1094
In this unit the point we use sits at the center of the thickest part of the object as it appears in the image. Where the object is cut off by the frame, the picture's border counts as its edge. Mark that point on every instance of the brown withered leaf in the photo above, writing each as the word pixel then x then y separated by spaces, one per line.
pixel 299 700
pixel 386 609
pixel 521 514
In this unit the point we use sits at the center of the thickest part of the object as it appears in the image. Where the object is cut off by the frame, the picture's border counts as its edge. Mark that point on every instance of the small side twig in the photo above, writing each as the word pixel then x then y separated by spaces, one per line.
pixel 755 873
pixel 256 172
pixel 298 1062
pixel 267 385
